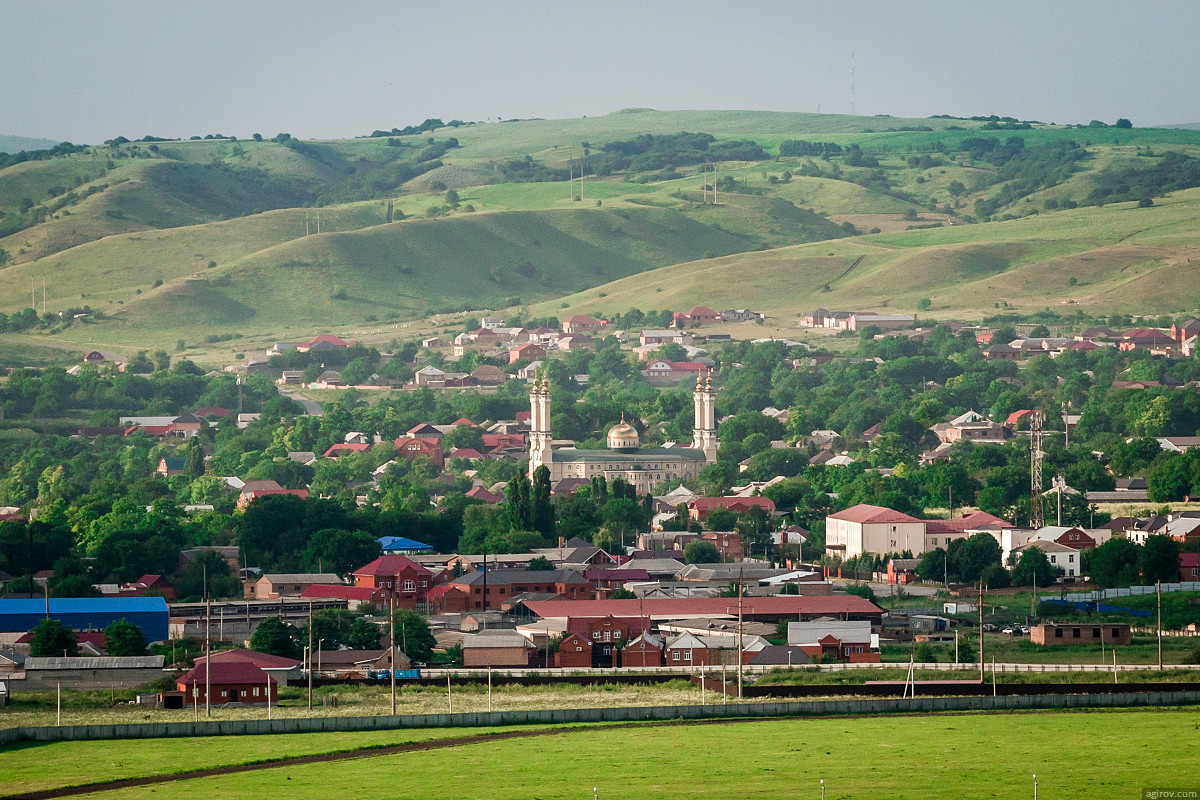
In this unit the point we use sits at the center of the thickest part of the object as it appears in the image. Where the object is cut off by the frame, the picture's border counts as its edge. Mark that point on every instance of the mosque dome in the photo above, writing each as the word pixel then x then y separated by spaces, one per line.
pixel 623 436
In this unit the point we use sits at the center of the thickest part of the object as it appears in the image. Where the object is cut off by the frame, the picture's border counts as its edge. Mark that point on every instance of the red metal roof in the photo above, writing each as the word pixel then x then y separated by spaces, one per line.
pixel 346 448
pixel 260 660
pixel 781 605
pixel 362 594
pixel 227 672
pixel 1189 559
pixel 864 513
pixel 391 566
pixel 733 503
pixel 972 521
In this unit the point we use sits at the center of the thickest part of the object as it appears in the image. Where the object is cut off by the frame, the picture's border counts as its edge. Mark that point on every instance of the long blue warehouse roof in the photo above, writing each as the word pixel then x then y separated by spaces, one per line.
pixel 81 613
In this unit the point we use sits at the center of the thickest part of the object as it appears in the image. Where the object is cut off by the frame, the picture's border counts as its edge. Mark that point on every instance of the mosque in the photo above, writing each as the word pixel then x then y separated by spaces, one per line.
pixel 642 467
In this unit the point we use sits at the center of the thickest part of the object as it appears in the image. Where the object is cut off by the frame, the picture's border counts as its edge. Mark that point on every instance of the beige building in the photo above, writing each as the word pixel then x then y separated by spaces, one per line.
pixel 496 649
pixel 872 529
pixel 625 458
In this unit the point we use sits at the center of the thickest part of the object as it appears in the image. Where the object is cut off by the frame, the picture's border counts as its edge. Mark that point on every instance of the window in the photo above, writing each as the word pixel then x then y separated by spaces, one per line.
pixel 674 655
pixel 608 636
pixel 1074 633
pixel 1058 633
pixel 1116 632
pixel 596 634
pixel 410 586
pixel 1095 633
pixel 1053 558
pixel 1071 558
pixel 256 691
pixel 687 655
pixel 224 693
pixel 424 583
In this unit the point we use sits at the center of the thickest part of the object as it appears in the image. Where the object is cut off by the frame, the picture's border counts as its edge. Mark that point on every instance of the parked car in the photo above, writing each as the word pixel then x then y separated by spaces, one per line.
pixel 1007 630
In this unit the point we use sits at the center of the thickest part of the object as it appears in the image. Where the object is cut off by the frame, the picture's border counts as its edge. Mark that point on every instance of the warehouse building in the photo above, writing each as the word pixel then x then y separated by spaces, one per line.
pixel 87 614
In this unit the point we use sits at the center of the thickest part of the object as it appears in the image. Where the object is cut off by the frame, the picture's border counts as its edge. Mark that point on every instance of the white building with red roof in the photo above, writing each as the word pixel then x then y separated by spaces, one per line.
pixel 872 529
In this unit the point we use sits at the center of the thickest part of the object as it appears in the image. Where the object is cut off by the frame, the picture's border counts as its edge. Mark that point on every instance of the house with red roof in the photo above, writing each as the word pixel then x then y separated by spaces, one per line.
pixel 701 507
pixel 528 351
pixel 398 577
pixel 424 447
pixel 700 315
pixel 1144 338
pixel 941 532
pixel 1189 566
pixel 323 342
pixel 248 497
pixel 662 370
pixel 231 682
pixel 872 529
pixel 465 452
pixel 340 591
pixel 503 441
pixel 277 666
pixel 339 450
pixel 479 493
pixel 1020 420
pixel 582 323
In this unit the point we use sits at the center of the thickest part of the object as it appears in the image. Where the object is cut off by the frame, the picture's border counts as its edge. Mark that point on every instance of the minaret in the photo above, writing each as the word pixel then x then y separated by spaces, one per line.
pixel 539 425
pixel 704 437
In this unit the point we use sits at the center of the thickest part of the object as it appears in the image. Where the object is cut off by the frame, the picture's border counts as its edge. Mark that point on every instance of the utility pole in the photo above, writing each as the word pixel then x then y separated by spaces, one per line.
pixel 1158 585
pixel 739 654
pixel 308 666
pixel 981 630
pixel 207 649
pixel 1060 485
pixel 1037 518
pixel 392 642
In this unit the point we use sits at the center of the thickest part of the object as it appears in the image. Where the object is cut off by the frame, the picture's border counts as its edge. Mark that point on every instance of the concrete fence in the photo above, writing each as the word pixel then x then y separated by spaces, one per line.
pixel 647 713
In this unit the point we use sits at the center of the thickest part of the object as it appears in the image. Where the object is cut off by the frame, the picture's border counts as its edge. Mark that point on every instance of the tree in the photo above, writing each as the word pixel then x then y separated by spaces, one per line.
pixel 956 188
pixel 123 638
pixel 273 637
pixel 720 519
pixel 1114 563
pixel 542 512
pixel 541 563
pixel 413 635
pixel 340 551
pixel 701 551
pixel 623 594
pixel 1160 559
pixel 363 635
pixel 977 554
pixel 52 638
pixel 1123 123
pixel 1033 568
pixel 862 590
pixel 517 503
pixel 193 465
pixel 932 566
pixel 995 576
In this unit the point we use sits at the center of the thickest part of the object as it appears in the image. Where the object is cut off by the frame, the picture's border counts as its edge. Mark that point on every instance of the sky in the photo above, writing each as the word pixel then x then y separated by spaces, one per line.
pixel 85 71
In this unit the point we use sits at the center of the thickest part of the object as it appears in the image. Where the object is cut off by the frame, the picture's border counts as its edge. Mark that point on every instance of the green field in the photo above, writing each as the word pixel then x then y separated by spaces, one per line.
pixel 976 755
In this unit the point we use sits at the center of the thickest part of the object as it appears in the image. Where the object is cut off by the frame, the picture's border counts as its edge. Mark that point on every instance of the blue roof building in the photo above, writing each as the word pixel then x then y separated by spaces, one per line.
pixel 399 544
pixel 88 613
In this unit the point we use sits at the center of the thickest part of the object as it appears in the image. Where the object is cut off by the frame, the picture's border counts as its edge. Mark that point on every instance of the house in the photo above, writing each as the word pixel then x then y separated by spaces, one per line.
pixel 575 342
pixel 339 450
pixel 169 466
pixel 1189 567
pixel 400 545
pixel 886 322
pixel 322 342
pixel 527 352
pixel 272 586
pixel 688 650
pixel 490 588
pixel 646 650
pixel 1002 352
pixel 497 648
pixel 429 376
pixel 248 496
pixel 582 323
pixel 1144 338
pixel 279 667
pixel 479 493
pixel 230 682
pixel 778 655
pixel 902 571
pixel 1178 444
pixel 488 375
pixel 835 640
pixel 701 507
pixel 941 532
pixel 402 580
pixel 872 529
pixel 700 315
pixel 413 448
pixel 94 357
pixel 531 370
pixel 607 636
pixel 1058 554
pixel 1020 420
pixel 673 371
pixel 741 315
pixel 574 650
pixel 1052 633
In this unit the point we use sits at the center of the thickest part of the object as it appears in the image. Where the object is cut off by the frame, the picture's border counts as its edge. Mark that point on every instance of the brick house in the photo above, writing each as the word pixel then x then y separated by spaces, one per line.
pixel 528 351
pixel 575 650
pixel 399 577
pixel 582 323
pixel 688 650
pixel 417 447
pixel 700 315
pixel 1189 566
pixel 496 649
pixel 644 651
pixel 231 682
pixel 488 375
pixel 1052 633
pixel 607 636
pixel 1183 331
pixel 169 466
pixel 491 588
pixel 286 584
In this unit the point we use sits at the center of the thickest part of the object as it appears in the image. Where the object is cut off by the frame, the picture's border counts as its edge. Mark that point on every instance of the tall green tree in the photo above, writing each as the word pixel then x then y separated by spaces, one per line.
pixel 52 638
pixel 1034 568
pixel 273 636
pixel 1114 563
pixel 542 517
pixel 123 638
pixel 1160 559
pixel 413 635
pixel 518 503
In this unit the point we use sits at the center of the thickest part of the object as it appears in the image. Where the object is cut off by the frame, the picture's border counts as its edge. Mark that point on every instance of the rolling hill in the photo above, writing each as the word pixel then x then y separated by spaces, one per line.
pixel 15 144
pixel 186 239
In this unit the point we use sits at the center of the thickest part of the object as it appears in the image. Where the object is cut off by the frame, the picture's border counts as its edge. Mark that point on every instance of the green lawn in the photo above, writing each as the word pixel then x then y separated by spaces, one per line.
pixel 954 756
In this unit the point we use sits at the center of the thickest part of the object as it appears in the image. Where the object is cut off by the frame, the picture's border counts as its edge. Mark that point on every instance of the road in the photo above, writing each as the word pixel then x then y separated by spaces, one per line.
pixel 311 407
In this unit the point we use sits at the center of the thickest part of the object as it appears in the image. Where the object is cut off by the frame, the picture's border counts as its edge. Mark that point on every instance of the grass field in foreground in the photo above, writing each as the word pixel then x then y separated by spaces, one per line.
pixel 969 755
pixel 26 765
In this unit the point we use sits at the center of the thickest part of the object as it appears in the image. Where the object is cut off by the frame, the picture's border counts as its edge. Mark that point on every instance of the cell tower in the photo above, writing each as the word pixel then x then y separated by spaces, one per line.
pixel 1037 519
pixel 852 111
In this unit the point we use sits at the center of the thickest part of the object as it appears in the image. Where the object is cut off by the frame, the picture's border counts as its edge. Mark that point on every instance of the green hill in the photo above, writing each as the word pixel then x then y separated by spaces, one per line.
pixel 171 238
pixel 1109 259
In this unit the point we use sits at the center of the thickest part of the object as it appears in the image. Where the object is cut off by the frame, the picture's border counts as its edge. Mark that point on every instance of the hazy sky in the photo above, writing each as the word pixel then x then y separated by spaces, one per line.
pixel 88 71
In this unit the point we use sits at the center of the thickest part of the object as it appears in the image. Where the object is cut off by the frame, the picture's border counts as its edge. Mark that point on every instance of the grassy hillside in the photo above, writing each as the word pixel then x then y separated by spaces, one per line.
pixel 171 239
pixel 1115 258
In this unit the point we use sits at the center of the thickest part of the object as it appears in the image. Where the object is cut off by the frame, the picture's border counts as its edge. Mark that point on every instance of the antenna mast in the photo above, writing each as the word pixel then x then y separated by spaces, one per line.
pixel 1037 518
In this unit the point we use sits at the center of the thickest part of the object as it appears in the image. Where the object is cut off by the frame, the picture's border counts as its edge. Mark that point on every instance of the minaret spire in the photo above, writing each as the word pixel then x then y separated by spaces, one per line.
pixel 704 435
